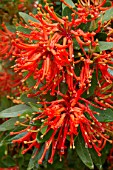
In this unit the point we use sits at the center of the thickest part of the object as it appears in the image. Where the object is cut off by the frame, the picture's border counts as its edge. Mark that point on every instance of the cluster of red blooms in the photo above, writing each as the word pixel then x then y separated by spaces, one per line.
pixel 47 53
pixel 6 46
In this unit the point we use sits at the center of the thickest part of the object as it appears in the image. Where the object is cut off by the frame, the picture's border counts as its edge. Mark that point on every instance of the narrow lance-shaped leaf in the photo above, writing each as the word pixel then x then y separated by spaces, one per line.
pixel 96 159
pixel 14 111
pixel 83 152
pixel 108 15
pixel 70 2
pixel 104 115
pixel 27 17
pixel 105 45
pixel 9 124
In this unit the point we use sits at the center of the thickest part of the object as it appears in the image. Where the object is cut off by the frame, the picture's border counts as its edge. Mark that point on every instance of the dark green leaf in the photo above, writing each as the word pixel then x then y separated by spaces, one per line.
pixel 108 4
pixel 104 115
pixel 67 12
pixel 96 159
pixel 83 152
pixel 11 27
pixel 105 152
pixel 91 90
pixel 8 162
pixel 14 111
pixel 2 151
pixel 76 45
pixel 27 100
pixel 108 15
pixel 63 88
pixel 101 36
pixel 24 30
pixel 45 138
pixel 43 130
pixel 70 2
pixel 9 124
pixel 35 107
pixel 27 17
pixel 18 136
pixel 110 71
pixel 105 45
pixel 33 163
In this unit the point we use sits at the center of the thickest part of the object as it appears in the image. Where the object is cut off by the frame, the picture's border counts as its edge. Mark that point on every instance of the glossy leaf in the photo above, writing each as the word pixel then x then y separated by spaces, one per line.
pixel 104 115
pixel 14 111
pixel 27 17
pixel 96 159
pixel 110 71
pixel 8 162
pixel 24 30
pixel 33 163
pixel 70 2
pixel 9 124
pixel 83 152
pixel 45 138
pixel 67 12
pixel 91 90
pixel 35 107
pixel 108 15
pixel 27 100
pixel 105 45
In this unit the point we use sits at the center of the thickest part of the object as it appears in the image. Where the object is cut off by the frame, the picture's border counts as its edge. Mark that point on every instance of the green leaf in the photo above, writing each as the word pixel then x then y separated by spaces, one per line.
pixel 43 130
pixel 10 27
pixel 76 45
pixel 9 124
pixel 17 136
pixel 27 17
pixel 45 138
pixel 35 107
pixel 70 2
pixel 96 159
pixel 110 71
pixel 2 151
pixel 27 100
pixel 104 115
pixel 83 152
pixel 101 36
pixel 105 45
pixel 14 111
pixel 24 30
pixel 67 12
pixel 105 152
pixel 63 88
pixel 91 90
pixel 108 15
pixel 8 161
pixel 33 161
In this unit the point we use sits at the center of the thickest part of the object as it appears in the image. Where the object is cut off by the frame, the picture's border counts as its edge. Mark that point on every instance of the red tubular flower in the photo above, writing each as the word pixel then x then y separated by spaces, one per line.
pixel 63 117
pixel 88 7
pixel 10 83
pixel 46 53
pixel 6 46
pixel 28 139
pixel 103 62
pixel 103 94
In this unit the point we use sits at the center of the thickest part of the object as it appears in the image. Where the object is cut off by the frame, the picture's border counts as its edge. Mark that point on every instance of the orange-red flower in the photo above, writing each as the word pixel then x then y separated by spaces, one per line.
pixel 6 46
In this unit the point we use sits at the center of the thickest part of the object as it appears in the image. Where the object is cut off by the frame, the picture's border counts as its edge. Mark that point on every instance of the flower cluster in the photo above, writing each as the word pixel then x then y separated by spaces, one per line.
pixel 6 46
pixel 10 84
pixel 48 54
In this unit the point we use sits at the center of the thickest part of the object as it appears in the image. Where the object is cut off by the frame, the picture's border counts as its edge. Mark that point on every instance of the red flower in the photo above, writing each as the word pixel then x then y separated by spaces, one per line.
pixel 103 62
pixel 6 46
pixel 103 94
pixel 28 139
pixel 10 83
